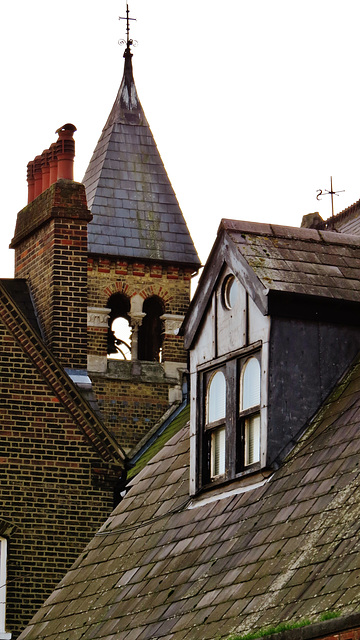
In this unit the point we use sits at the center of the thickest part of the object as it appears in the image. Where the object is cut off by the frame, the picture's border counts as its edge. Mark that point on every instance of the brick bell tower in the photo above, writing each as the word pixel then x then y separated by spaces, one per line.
pixel 140 262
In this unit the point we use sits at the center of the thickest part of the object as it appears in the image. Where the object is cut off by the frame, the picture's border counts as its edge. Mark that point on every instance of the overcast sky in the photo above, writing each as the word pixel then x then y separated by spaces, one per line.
pixel 253 104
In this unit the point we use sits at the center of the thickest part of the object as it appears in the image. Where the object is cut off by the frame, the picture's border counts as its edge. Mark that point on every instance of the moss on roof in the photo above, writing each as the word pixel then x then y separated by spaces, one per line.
pixel 175 425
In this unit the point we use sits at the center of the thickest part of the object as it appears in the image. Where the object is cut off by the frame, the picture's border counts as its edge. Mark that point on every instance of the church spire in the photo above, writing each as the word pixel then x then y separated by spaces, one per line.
pixel 127 108
pixel 135 210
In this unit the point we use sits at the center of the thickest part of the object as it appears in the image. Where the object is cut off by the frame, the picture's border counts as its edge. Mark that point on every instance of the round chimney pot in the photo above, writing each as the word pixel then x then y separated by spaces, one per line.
pixel 37 176
pixel 30 180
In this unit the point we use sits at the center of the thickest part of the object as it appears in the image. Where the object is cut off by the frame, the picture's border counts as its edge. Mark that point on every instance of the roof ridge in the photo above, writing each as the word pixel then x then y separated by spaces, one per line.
pixel 58 380
pixel 342 214
pixel 291 233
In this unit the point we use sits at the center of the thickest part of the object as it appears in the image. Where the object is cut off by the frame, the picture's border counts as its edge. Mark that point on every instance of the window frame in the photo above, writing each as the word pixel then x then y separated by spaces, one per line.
pixel 211 427
pixel 245 414
pixel 235 467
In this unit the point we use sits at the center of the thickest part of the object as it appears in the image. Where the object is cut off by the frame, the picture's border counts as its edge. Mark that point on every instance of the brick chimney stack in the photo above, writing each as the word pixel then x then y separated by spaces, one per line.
pixel 50 243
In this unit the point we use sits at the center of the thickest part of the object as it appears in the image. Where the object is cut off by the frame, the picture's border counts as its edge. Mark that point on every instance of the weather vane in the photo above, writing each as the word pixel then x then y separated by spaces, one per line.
pixel 128 41
pixel 332 193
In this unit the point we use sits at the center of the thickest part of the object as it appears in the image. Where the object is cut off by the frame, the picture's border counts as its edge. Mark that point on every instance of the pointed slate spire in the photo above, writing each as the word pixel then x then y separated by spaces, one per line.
pixel 135 210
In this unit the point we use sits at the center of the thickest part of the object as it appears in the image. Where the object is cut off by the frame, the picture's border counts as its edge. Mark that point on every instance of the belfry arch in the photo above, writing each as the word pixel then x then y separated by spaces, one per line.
pixel 151 330
pixel 119 333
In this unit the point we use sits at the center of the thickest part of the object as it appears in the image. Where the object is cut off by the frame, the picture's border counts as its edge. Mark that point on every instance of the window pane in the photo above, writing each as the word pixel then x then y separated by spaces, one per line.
pixel 216 397
pixel 252 439
pixel 251 384
pixel 218 452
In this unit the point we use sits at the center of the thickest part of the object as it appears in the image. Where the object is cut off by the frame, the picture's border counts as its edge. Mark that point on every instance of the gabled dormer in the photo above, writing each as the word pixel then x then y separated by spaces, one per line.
pixel 272 327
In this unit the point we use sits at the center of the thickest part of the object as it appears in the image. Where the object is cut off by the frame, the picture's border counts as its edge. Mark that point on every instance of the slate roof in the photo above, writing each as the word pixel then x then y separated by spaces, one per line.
pixel 135 210
pixel 307 261
pixel 167 567
pixel 158 436
pixel 272 259
pixel 347 221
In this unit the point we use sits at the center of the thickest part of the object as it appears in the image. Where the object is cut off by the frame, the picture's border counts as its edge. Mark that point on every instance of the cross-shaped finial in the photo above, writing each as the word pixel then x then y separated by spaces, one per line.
pixel 128 42
pixel 332 193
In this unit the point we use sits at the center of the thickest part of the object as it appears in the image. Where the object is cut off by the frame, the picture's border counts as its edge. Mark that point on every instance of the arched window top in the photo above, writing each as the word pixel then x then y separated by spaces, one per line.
pixel 230 291
pixel 216 397
pixel 153 305
pixel 119 304
pixel 250 396
pixel 119 332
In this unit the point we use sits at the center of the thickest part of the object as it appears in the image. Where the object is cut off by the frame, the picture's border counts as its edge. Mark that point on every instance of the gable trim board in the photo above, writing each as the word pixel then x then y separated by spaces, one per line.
pixel 59 381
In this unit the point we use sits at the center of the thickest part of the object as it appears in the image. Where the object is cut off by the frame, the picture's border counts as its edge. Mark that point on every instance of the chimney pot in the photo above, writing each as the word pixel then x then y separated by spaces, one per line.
pixel 37 176
pixel 65 150
pixel 45 169
pixel 30 180
pixel 53 163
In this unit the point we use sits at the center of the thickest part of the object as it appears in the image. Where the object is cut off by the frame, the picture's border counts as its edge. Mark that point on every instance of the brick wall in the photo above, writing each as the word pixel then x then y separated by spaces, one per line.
pixel 51 488
pixel 130 407
pixel 351 634
pixel 170 284
pixel 133 400
pixel 51 251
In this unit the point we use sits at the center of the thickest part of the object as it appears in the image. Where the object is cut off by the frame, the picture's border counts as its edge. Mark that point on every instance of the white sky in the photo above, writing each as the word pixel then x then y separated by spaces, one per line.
pixel 253 104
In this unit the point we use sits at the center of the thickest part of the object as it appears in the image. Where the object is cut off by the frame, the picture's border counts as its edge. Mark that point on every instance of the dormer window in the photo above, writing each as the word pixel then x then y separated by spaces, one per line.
pixel 229 440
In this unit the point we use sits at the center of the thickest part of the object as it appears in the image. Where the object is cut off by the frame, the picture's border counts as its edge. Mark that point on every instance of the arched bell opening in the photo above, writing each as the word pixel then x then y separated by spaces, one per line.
pixel 119 331
pixel 151 331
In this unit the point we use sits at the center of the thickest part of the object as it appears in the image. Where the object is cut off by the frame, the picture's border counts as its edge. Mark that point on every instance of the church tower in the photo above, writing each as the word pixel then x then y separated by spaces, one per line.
pixel 140 262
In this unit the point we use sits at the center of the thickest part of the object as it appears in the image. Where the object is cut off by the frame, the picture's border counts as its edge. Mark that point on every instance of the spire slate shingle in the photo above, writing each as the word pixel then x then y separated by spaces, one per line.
pixel 135 210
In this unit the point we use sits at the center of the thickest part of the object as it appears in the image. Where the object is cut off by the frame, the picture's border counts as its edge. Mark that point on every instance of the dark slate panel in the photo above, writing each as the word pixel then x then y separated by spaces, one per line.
pixel 20 293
